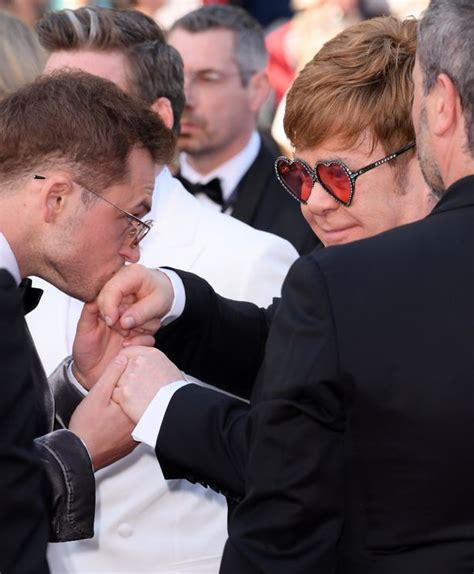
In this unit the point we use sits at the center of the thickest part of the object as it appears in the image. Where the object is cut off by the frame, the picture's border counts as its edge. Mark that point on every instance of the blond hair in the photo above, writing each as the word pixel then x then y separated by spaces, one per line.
pixel 360 80
pixel 21 56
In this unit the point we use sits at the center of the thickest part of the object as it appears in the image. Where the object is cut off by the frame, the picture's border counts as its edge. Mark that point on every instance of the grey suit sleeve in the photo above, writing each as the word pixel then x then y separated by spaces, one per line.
pixel 68 467
pixel 66 396
pixel 70 475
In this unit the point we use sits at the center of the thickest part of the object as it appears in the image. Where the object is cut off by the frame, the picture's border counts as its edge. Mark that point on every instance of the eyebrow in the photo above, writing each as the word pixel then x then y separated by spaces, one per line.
pixel 146 204
pixel 343 159
pixel 207 70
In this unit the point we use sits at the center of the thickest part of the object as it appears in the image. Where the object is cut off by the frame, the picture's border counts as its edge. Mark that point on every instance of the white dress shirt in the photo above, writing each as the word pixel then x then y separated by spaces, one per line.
pixel 230 172
pixel 8 260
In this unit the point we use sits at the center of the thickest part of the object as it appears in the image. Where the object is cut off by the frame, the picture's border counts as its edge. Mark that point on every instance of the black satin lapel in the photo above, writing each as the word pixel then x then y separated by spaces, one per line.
pixel 46 410
pixel 252 187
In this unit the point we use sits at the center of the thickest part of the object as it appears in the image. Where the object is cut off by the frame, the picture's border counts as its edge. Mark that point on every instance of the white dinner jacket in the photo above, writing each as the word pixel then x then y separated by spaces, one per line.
pixel 144 523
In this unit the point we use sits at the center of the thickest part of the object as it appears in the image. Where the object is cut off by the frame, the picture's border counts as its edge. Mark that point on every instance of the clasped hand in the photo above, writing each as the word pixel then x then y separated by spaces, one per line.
pixel 114 359
pixel 127 312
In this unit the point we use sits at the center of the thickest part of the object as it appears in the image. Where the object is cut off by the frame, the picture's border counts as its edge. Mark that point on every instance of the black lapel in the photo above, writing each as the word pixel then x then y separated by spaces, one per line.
pixel 253 185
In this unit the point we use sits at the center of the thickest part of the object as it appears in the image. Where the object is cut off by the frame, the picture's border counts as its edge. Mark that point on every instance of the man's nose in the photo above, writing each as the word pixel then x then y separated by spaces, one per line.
pixel 320 201
pixel 189 92
pixel 130 254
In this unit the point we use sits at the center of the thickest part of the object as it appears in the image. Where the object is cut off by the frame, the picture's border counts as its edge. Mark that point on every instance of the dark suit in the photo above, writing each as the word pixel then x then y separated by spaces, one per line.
pixel 23 518
pixel 68 485
pixel 359 445
pixel 262 203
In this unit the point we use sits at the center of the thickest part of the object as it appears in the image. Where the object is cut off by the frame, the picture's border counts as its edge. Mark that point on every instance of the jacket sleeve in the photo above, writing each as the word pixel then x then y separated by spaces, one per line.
pixel 217 340
pixel 68 467
pixel 66 396
pixel 71 485
pixel 291 517
pixel 202 439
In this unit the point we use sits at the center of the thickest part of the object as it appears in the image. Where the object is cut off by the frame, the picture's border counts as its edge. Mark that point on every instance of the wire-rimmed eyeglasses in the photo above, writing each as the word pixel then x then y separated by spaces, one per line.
pixel 138 228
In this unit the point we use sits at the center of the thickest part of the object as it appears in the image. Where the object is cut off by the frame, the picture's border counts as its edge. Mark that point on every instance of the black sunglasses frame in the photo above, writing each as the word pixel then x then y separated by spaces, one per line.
pixel 351 175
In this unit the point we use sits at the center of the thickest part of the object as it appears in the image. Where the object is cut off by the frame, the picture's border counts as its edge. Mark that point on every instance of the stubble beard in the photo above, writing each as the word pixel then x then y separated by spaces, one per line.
pixel 428 165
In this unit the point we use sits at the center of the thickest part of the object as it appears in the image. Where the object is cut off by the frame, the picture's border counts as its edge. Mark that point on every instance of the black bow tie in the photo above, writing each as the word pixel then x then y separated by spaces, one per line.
pixel 30 295
pixel 212 188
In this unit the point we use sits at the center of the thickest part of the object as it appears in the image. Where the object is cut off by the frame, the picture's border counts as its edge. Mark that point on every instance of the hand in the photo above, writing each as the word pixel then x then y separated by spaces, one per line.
pixel 153 294
pixel 101 424
pixel 148 370
pixel 96 344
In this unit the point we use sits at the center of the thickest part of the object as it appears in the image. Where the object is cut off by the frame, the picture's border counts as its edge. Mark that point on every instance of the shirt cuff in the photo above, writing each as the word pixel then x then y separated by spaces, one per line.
pixel 149 425
pixel 179 300
pixel 72 379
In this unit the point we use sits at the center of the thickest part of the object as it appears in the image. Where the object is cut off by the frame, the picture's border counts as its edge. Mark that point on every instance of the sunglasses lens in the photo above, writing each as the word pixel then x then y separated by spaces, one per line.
pixel 295 178
pixel 335 180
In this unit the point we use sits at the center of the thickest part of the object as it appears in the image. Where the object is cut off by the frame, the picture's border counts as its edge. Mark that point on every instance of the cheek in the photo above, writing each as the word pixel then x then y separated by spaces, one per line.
pixel 310 219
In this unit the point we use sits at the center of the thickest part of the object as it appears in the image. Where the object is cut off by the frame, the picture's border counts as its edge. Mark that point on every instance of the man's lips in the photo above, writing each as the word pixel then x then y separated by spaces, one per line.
pixel 337 229
pixel 336 235
pixel 190 126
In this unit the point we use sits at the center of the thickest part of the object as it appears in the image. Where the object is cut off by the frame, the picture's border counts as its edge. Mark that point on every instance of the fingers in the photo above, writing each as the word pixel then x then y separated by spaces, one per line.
pixel 140 340
pixel 117 291
pixel 136 297
pixel 137 351
pixel 117 395
pixel 106 384
pixel 141 313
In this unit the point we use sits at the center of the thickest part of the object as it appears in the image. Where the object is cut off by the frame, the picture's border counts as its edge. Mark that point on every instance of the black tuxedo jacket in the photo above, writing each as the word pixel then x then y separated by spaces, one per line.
pixel 68 478
pixel 358 447
pixel 23 518
pixel 263 203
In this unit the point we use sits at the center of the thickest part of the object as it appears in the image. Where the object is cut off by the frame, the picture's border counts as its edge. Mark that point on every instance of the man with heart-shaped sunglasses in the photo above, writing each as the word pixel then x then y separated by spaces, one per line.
pixel 363 78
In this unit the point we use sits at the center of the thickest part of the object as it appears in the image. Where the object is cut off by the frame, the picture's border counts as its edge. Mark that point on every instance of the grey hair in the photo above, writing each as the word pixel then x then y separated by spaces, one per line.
pixel 446 45
pixel 250 52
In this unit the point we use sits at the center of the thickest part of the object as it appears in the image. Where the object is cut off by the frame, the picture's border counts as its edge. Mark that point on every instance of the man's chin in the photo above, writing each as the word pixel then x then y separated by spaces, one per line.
pixel 85 293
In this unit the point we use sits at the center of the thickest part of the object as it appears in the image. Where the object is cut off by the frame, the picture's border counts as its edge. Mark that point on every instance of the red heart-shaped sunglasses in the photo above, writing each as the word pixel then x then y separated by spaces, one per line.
pixel 298 178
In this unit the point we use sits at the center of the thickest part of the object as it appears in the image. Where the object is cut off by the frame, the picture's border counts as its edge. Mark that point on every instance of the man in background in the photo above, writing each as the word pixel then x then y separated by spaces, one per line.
pixel 224 160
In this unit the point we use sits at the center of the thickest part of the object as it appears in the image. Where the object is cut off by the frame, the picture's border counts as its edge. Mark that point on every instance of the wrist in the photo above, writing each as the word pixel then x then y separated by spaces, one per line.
pixel 80 379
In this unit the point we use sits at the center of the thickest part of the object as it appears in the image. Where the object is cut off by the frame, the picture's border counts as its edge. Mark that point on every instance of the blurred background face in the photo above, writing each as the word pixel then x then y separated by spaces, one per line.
pixel 428 164
pixel 219 113
pixel 112 66
pixel 380 201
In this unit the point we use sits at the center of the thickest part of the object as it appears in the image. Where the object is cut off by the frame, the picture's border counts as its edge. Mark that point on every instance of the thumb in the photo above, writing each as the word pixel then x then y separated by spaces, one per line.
pixel 105 386
pixel 88 318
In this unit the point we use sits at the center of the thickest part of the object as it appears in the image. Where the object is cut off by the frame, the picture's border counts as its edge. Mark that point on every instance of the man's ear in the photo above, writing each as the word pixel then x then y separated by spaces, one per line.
pixel 162 106
pixel 259 90
pixel 445 105
pixel 53 196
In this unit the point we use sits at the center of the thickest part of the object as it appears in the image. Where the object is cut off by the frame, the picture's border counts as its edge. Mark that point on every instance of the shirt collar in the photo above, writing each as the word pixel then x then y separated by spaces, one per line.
pixel 8 259
pixel 229 172
pixel 161 192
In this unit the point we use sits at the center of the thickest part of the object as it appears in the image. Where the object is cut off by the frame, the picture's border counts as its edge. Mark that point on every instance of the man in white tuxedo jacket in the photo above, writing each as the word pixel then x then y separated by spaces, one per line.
pixel 144 523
